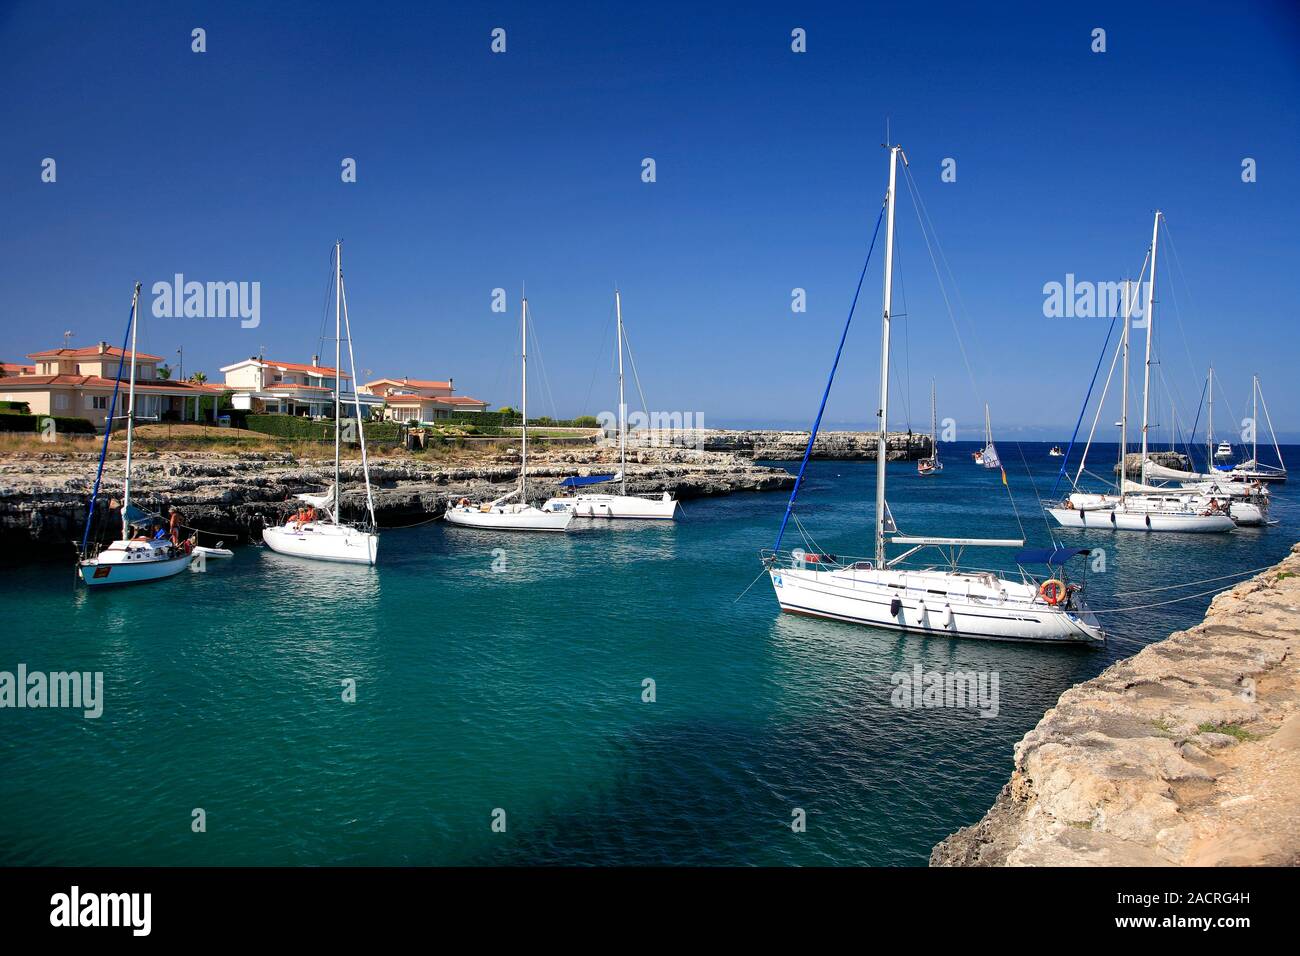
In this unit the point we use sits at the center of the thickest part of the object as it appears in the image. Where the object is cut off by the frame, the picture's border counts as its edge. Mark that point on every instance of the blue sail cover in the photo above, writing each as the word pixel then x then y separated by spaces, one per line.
pixel 579 481
pixel 1048 556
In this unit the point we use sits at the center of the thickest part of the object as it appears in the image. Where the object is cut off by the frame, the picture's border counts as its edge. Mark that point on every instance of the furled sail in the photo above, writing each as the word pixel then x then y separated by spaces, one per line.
pixel 991 459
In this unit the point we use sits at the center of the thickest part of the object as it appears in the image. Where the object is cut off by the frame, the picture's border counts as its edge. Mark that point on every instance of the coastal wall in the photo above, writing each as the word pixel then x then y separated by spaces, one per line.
pixel 786 445
pixel 43 495
pixel 1186 754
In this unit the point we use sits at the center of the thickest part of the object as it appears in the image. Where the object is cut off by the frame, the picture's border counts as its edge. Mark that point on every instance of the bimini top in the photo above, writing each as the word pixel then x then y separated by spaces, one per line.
pixel 578 481
pixel 1049 555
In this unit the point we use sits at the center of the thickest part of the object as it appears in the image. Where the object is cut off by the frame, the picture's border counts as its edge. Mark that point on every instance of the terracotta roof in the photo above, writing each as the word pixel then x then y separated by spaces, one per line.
pixel 91 351
pixel 284 385
pixel 17 368
pixel 409 382
pixel 96 381
pixel 457 400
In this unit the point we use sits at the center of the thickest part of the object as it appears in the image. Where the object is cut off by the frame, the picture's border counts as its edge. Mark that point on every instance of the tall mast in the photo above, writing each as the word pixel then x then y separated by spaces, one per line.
pixel 934 424
pixel 130 416
pixel 1123 414
pixel 883 413
pixel 338 362
pixel 1151 317
pixel 1209 420
pixel 1254 420
pixel 622 404
pixel 523 458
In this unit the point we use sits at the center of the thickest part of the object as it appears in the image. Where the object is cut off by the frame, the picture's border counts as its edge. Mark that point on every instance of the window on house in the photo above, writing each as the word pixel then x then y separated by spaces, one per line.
pixel 99 401
pixel 61 401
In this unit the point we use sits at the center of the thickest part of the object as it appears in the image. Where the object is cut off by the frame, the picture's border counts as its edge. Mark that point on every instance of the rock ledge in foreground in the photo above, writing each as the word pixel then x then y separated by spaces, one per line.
pixel 1186 754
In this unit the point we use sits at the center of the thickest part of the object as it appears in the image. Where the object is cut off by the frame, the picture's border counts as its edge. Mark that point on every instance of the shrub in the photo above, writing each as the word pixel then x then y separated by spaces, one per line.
pixel 10 422
pixel 18 408
pixel 292 426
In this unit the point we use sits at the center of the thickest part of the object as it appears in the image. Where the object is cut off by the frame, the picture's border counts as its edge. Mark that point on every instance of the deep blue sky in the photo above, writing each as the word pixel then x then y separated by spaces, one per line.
pixel 478 170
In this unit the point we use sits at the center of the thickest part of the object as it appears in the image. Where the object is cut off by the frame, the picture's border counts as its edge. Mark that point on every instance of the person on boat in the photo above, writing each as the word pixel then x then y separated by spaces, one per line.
pixel 174 525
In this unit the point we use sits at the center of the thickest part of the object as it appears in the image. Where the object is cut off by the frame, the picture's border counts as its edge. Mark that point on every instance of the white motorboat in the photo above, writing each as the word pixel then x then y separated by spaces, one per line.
pixel 1055 452
pixel 504 514
pixel 945 601
pixel 134 558
pixel 599 504
pixel 1223 452
pixel 316 530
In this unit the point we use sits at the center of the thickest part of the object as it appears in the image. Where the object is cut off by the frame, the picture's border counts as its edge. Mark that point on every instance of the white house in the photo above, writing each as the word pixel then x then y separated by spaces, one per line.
pixel 290 388
pixel 409 399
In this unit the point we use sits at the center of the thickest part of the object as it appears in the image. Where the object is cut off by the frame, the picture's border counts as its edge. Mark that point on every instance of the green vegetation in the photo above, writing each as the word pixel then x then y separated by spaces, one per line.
pixel 10 422
pixel 292 426
pixel 19 408
pixel 1232 730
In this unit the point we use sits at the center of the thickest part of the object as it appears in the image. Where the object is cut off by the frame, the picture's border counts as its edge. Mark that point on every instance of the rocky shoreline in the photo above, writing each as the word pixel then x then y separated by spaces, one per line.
pixel 1186 754
pixel 229 495
pixel 786 445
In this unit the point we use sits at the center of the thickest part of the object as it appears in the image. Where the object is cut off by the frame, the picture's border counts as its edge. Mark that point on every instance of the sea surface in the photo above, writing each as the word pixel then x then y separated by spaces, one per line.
pixel 507 673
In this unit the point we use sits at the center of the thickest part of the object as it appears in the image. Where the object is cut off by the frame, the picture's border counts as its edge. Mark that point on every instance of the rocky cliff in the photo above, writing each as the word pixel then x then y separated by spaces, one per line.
pixel 786 446
pixel 1186 754
pixel 43 495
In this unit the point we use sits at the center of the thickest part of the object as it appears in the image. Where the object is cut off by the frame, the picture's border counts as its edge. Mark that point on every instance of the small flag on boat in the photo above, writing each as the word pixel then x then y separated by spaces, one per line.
pixel 1004 477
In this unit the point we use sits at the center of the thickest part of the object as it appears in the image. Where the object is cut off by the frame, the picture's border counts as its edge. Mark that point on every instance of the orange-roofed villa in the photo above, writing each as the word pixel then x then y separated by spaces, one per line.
pixel 291 388
pixel 78 383
pixel 410 399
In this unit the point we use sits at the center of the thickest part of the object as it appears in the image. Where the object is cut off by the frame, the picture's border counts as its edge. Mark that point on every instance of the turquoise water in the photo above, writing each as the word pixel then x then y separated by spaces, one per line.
pixel 520 688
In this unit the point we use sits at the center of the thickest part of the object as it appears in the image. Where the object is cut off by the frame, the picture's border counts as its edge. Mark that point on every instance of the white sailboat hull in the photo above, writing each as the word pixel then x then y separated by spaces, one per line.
pixel 323 542
pixel 509 518
pixel 1118 519
pixel 616 506
pixel 979 605
pixel 132 562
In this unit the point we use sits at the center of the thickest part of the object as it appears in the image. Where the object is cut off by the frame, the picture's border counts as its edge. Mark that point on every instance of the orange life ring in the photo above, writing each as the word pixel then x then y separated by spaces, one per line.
pixel 1052 591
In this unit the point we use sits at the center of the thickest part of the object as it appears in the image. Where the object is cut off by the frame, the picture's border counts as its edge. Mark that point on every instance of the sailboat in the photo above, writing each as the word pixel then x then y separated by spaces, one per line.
pixel 1254 469
pixel 317 530
pixel 931 465
pixel 1055 452
pixel 132 559
pixel 988 455
pixel 503 514
pixel 945 601
pixel 1140 506
pixel 595 504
